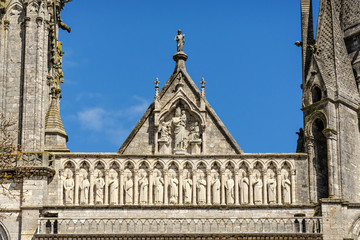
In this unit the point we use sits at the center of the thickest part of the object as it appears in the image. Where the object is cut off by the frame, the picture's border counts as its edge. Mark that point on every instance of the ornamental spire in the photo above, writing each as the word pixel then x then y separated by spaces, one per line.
pixel 55 135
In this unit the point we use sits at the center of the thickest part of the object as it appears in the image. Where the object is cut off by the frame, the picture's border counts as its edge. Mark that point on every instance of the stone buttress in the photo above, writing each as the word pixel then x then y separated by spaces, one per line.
pixel 30 63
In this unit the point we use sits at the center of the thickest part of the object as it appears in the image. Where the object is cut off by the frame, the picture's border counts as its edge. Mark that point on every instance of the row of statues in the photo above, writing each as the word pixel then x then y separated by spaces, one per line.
pixel 199 190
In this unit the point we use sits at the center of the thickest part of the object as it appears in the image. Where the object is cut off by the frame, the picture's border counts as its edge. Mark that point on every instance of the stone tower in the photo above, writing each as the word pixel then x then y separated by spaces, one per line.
pixel 31 71
pixel 331 98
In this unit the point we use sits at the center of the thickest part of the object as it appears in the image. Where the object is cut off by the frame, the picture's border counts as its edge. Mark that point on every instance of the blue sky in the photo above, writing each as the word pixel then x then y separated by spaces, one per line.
pixel 244 49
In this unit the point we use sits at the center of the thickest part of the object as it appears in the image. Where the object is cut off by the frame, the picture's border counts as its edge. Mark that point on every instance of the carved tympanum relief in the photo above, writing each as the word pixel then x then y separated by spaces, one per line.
pixel 179 134
pixel 157 184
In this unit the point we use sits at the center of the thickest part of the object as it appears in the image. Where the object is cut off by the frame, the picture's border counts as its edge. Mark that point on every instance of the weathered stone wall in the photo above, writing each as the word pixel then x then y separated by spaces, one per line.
pixel 24 54
pixel 349 153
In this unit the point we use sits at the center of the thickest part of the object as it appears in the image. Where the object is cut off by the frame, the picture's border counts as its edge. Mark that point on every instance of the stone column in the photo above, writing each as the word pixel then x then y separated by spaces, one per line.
pixel 203 145
pixel 180 186
pixel 222 179
pixel 61 187
pixel 312 174
pixel 194 186
pixel 265 197
pixel 156 139
pixel 77 185
pixel 293 175
pixel 151 187
pixel 236 190
pixel 279 184
pixel 136 186
pixel 4 58
pixel 91 202
pixel 251 187
pixel 106 199
pixel 334 183
pixel 121 187
pixel 208 186
pixel 166 200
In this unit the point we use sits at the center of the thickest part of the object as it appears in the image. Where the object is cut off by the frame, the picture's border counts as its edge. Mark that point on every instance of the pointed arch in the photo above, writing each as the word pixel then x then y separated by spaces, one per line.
pixel 15 9
pixel 316 123
pixel 33 8
pixel 180 96
pixel 4 234
pixel 317 115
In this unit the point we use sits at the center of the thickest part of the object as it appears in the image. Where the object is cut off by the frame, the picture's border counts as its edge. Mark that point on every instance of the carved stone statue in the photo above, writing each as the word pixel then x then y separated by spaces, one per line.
pixel 164 130
pixel 143 187
pixel 187 189
pixel 69 187
pixel 181 134
pixel 195 132
pixel 114 187
pixel 229 187
pixel 258 185
pixel 174 189
pixel 129 189
pixel 180 41
pixel 84 187
pixel 244 189
pixel 158 188
pixel 99 184
pixel 201 193
pixel 216 185
pixel 300 148
pixel 271 187
pixel 286 189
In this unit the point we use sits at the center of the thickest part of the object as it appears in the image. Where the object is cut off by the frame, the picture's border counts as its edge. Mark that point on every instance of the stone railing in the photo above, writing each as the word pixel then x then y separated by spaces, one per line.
pixel 163 226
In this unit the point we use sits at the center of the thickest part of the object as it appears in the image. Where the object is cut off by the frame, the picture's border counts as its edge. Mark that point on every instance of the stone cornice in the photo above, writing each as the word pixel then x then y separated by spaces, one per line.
pixel 324 101
pixel 301 156
pixel 180 207
pixel 240 236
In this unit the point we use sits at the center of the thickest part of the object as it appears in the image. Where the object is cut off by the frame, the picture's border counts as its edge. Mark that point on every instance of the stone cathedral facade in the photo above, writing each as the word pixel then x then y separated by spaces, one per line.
pixel 180 174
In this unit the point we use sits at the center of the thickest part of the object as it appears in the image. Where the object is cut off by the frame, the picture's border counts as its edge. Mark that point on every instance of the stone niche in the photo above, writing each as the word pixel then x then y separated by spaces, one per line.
pixel 180 131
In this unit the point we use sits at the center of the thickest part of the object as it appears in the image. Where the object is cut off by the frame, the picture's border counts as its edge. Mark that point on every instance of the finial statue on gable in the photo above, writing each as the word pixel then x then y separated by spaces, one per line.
pixel 180 38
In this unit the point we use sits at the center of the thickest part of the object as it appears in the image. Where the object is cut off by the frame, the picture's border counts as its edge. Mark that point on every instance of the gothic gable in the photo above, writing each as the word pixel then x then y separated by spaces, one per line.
pixel 180 121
